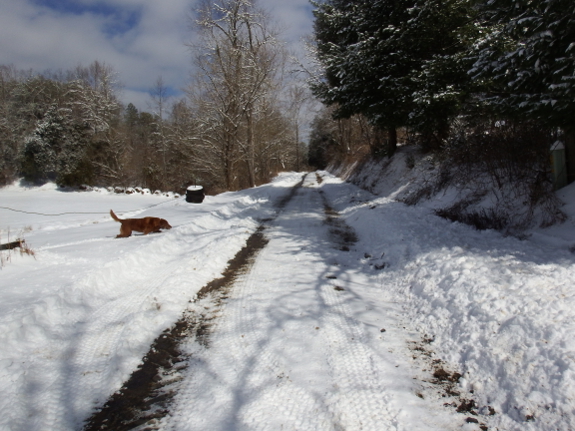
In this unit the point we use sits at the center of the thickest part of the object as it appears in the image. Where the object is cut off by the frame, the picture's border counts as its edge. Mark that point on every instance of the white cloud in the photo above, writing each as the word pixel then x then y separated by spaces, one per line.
pixel 152 43
pixel 140 99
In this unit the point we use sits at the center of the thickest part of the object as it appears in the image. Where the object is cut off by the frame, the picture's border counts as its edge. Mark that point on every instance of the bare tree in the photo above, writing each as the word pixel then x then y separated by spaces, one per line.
pixel 10 124
pixel 238 61
pixel 181 138
pixel 298 96
pixel 160 100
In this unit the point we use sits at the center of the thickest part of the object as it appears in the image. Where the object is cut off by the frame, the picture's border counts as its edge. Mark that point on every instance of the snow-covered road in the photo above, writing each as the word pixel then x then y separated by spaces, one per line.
pixel 299 346
pixel 357 305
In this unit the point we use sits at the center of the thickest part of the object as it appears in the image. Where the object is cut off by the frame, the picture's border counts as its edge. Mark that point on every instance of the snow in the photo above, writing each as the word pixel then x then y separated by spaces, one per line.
pixel 301 346
pixel 312 337
pixel 195 188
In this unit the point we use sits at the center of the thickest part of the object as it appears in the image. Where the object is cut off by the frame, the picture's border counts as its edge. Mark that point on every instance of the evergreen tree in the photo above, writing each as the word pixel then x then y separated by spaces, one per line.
pixel 131 116
pixel 40 153
pixel 526 62
pixel 438 35
pixel 366 70
pixel 57 150
pixel 321 141
pixel 398 63
pixel 527 59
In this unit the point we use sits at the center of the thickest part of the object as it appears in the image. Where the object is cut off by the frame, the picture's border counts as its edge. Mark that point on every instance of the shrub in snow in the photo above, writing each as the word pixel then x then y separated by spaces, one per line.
pixel 57 150
pixel 506 165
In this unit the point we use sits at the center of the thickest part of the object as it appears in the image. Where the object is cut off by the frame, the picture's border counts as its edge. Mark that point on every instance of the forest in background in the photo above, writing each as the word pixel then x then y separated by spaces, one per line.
pixel 237 126
pixel 485 88
pixel 438 67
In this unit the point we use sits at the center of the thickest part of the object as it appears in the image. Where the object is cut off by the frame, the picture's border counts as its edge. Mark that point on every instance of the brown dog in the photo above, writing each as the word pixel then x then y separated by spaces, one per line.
pixel 145 225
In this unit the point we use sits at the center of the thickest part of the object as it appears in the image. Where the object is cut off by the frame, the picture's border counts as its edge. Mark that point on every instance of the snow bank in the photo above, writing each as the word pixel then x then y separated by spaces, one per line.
pixel 500 310
pixel 472 197
pixel 76 319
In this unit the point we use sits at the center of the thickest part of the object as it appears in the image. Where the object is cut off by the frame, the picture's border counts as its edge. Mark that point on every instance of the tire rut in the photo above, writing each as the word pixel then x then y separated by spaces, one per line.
pixel 145 397
pixel 352 396
pixel 352 361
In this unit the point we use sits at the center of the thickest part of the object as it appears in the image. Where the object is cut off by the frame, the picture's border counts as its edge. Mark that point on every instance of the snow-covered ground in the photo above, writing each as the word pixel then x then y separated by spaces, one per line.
pixel 312 337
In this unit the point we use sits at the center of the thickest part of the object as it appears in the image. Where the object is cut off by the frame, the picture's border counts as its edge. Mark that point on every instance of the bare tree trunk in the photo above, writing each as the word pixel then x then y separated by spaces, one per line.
pixel 251 154
pixel 391 141
pixel 297 166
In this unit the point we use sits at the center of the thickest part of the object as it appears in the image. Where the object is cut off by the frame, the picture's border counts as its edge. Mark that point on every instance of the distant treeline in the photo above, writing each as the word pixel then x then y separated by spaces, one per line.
pixel 236 127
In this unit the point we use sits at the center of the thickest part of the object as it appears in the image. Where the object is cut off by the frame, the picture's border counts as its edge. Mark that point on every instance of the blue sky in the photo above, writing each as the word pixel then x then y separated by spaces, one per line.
pixel 140 39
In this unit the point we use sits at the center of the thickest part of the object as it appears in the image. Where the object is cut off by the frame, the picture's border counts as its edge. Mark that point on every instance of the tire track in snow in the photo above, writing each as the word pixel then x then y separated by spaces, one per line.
pixel 288 402
pixel 360 399
pixel 250 377
pixel 222 358
pixel 135 405
pixel 239 382
pixel 143 397
pixel 355 399
pixel 90 364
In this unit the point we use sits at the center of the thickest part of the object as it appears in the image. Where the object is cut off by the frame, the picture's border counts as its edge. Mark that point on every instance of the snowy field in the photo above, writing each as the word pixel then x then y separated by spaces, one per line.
pixel 76 319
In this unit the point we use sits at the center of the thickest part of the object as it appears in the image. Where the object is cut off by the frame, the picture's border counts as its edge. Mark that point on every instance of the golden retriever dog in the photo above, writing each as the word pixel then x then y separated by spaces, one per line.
pixel 144 225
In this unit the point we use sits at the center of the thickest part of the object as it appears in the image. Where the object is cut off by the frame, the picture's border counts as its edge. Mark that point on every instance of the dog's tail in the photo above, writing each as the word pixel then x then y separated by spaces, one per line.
pixel 114 216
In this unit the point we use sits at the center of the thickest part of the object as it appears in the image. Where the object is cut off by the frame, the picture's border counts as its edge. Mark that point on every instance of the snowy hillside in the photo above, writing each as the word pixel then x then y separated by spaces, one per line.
pixel 417 179
pixel 501 309
pixel 412 292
